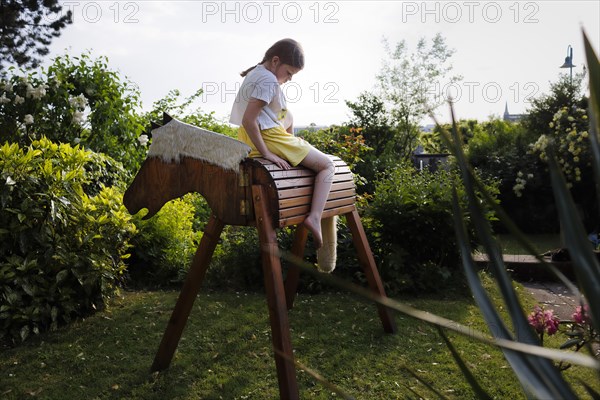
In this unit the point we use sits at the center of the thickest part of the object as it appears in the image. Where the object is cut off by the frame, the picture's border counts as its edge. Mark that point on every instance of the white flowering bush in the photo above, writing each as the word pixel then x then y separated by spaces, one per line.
pixel 77 100
pixel 521 182
pixel 570 137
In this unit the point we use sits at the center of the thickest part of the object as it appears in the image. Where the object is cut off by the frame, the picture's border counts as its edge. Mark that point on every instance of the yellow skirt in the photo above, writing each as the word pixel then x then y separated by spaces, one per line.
pixel 284 144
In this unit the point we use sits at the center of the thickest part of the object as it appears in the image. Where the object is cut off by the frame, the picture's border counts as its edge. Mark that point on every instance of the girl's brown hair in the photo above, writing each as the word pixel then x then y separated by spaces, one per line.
pixel 289 52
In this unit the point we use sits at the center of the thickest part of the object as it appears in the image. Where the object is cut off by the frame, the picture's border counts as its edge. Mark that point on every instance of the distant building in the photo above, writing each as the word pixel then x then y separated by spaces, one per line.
pixel 511 117
pixel 430 161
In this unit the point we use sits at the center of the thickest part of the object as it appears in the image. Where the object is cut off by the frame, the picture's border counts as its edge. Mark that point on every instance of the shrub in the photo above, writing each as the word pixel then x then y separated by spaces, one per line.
pixel 61 251
pixel 413 229
pixel 76 100
pixel 237 262
pixel 500 150
pixel 165 244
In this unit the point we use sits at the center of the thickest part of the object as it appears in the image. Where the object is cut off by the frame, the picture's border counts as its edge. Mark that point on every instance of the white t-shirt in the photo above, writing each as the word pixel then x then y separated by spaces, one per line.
pixel 261 84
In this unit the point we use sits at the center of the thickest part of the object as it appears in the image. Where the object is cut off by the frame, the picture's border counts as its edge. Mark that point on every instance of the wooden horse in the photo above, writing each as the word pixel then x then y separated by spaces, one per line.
pixel 262 195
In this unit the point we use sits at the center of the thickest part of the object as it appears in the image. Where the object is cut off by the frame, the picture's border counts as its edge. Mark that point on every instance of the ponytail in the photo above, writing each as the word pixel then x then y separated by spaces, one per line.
pixel 289 52
pixel 244 73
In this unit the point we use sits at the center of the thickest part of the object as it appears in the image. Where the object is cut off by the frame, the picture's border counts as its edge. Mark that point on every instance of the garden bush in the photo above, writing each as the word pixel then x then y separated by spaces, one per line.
pixel 237 263
pixel 61 251
pixel 165 244
pixel 412 229
pixel 501 150
pixel 76 100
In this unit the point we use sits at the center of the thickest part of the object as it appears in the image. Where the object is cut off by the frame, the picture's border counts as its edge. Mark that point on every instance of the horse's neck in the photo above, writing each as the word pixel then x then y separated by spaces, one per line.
pixel 158 182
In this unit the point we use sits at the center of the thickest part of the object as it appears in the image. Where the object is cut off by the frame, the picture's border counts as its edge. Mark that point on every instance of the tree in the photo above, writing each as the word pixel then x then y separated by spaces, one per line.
pixel 565 92
pixel 410 85
pixel 27 28
pixel 369 113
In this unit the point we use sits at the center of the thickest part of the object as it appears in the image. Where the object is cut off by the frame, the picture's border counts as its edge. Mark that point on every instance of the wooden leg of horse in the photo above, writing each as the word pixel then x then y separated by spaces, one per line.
pixel 367 261
pixel 188 294
pixel 280 329
pixel 293 273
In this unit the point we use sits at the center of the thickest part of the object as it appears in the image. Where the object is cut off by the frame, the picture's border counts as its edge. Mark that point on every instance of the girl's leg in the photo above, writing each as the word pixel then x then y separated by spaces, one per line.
pixel 325 169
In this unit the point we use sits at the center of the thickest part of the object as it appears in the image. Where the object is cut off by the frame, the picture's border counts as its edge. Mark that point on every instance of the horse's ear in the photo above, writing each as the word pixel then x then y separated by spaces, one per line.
pixel 166 118
pixel 154 125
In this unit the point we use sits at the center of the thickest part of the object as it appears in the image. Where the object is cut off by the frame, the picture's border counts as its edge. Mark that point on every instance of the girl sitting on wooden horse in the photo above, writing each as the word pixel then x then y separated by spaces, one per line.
pixel 266 124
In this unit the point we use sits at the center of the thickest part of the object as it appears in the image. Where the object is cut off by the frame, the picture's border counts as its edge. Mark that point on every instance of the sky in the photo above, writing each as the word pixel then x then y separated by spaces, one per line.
pixel 506 51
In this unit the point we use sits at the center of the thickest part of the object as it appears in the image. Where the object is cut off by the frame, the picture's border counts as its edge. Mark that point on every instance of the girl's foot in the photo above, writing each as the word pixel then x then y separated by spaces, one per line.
pixel 313 224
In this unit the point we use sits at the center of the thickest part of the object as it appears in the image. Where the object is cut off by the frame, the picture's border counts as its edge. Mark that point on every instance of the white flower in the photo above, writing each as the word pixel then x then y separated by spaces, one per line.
pixel 10 181
pixel 36 93
pixel 19 99
pixel 4 99
pixel 78 102
pixel 30 90
pixel 77 140
pixel 28 119
pixel 78 117
pixel 143 139
pixel 40 92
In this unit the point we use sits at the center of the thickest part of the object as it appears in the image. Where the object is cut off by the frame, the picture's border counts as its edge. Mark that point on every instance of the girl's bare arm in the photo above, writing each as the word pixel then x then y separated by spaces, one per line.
pixel 250 124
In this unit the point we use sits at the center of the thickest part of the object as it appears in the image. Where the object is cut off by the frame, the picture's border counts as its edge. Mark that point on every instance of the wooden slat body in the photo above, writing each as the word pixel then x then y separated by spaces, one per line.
pixel 290 191
pixel 229 194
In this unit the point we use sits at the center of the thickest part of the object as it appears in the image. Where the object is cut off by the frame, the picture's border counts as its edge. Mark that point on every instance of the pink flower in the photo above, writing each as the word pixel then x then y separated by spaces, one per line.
pixel 551 322
pixel 543 321
pixel 580 316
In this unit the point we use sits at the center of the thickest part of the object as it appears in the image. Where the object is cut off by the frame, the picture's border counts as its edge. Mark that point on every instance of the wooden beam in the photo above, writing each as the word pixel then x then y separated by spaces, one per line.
pixel 367 261
pixel 293 273
pixel 280 329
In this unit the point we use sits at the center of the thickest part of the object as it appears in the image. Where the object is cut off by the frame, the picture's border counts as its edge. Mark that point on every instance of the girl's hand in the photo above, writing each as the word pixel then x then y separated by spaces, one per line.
pixel 280 162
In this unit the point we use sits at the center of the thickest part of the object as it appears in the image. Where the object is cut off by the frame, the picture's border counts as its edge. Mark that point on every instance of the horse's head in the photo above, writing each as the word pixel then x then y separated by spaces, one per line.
pixel 156 183
pixel 183 158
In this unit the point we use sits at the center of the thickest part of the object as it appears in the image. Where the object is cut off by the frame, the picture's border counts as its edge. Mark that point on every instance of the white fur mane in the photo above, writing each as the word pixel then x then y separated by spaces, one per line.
pixel 177 139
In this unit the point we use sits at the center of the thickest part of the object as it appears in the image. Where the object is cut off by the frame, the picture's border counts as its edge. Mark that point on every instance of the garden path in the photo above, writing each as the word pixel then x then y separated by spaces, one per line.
pixel 552 296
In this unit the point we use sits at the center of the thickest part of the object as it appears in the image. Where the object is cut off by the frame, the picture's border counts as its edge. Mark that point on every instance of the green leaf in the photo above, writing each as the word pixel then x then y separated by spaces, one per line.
pixel 587 266
pixel 585 262
pixel 574 333
pixel 27 288
pixel 62 275
pixel 570 343
pixel 24 332
pixel 537 376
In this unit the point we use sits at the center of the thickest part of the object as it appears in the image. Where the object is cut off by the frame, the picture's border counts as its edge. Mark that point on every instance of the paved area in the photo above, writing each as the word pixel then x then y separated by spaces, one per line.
pixel 553 296
pixel 540 283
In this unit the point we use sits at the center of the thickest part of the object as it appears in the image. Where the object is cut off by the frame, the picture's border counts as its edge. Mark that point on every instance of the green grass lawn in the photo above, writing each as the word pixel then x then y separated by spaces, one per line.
pixel 226 352
pixel 542 242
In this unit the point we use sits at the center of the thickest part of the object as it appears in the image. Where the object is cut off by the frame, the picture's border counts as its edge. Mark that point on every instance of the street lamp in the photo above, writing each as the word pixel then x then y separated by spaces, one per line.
pixel 569 61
